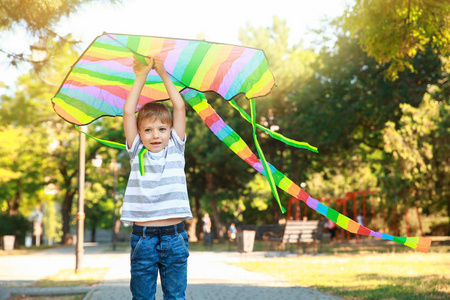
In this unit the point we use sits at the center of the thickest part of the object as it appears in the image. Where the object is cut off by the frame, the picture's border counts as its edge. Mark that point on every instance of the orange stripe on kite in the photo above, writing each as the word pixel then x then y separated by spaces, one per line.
pixel 66 116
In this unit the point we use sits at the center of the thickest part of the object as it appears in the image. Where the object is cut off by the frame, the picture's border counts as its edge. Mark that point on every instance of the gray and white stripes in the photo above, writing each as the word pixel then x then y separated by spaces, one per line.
pixel 162 192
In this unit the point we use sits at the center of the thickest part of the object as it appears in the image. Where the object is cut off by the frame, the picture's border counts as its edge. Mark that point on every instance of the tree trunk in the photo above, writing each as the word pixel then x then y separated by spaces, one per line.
pixel 14 203
pixel 66 215
pixel 93 231
pixel 215 213
pixel 198 215
pixel 448 213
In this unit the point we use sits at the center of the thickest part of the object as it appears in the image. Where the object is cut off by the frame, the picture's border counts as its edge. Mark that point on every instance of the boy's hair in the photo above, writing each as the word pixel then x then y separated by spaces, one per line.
pixel 154 111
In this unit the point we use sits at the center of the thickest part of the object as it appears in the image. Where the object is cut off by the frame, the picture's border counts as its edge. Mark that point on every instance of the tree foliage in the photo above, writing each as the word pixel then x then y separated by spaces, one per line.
pixel 420 160
pixel 394 31
pixel 38 19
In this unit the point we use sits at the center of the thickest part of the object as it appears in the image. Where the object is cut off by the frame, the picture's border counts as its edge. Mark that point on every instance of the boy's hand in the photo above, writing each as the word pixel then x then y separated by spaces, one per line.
pixel 158 65
pixel 141 69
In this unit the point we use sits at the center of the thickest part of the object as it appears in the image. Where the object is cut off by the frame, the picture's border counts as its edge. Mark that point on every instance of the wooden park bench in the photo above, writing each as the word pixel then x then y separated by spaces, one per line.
pixel 296 233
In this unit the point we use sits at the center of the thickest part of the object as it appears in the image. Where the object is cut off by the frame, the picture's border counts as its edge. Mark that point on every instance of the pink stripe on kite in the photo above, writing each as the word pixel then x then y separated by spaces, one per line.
pixel 92 58
pixel 364 231
pixel 173 55
pixel 217 126
pixel 224 68
pixel 168 45
pixel 212 119
pixel 122 65
pixel 252 159
pixel 234 70
pixel 258 167
pixel 311 202
pixel 112 95
pixel 303 195
pixel 109 36
pixel 113 90
pixel 376 234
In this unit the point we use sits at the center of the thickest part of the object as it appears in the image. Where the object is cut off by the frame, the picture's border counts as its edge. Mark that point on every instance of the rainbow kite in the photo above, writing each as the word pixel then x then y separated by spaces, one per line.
pixel 99 83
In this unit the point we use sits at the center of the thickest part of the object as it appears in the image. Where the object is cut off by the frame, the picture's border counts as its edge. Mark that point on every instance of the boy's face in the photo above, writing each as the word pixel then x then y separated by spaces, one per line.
pixel 154 134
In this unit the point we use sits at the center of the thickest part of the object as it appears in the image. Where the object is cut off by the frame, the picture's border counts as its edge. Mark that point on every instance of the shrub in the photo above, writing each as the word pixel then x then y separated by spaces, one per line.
pixel 16 225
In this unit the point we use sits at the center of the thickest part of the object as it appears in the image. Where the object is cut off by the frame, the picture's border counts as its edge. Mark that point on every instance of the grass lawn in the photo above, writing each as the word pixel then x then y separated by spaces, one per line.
pixel 406 275
pixel 68 277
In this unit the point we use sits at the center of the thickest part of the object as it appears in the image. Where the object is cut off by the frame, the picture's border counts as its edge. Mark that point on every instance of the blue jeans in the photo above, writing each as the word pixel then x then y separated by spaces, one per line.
pixel 163 249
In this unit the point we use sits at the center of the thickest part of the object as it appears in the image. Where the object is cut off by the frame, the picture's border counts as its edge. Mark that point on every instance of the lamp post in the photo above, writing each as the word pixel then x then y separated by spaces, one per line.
pixel 115 228
pixel 79 250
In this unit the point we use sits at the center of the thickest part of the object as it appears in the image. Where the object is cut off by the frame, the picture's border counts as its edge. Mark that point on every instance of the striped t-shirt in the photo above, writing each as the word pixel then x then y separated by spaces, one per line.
pixel 162 192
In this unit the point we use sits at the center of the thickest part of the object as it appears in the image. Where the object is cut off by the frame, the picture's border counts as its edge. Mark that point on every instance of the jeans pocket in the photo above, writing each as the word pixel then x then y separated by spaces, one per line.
pixel 135 241
pixel 184 240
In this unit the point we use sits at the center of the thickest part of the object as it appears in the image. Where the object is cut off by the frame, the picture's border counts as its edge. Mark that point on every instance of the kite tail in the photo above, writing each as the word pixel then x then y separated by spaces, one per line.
pixel 227 135
pixel 104 142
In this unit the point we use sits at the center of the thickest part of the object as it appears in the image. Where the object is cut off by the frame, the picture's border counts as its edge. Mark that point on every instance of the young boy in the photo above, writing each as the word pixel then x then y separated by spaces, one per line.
pixel 156 203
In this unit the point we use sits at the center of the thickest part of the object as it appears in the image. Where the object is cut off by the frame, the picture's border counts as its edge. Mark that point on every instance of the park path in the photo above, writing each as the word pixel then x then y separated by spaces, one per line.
pixel 210 276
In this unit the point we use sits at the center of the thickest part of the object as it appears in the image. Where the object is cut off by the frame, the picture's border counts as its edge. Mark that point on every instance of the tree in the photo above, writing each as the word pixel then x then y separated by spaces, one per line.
pixel 51 222
pixel 419 152
pixel 343 109
pixel 394 31
pixel 40 148
pixel 38 18
pixel 347 102
pixel 23 165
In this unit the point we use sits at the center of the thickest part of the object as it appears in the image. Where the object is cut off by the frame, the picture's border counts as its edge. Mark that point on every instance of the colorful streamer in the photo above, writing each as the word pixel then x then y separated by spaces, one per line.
pixel 227 135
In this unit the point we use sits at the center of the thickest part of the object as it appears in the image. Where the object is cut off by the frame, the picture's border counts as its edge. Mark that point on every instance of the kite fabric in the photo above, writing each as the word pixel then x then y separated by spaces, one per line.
pixel 101 79
pixel 99 82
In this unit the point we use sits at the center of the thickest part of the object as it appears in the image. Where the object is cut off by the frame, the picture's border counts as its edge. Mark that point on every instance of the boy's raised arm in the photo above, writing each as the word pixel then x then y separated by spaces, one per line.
pixel 129 109
pixel 179 110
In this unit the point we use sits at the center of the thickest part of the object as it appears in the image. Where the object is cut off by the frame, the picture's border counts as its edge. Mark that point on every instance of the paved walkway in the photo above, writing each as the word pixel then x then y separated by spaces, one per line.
pixel 209 276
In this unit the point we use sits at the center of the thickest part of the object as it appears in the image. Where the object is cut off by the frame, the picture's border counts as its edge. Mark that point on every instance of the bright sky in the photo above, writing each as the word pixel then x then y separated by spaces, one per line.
pixel 217 21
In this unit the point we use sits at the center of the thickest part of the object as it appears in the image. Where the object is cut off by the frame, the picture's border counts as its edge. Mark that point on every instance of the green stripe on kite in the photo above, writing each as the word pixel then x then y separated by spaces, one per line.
pixel 195 62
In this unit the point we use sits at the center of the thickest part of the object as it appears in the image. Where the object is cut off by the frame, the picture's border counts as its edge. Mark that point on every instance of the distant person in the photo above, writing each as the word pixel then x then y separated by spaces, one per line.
pixel 332 228
pixel 360 219
pixel 207 234
pixel 323 224
pixel 232 232
pixel 156 210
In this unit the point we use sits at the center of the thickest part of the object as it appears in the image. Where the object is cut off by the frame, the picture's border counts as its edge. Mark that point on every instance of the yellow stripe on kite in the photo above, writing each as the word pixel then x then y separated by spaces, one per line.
pixel 94 81
pixel 259 86
pixel 207 61
pixel 78 114
pixel 238 146
pixel 200 106
pixel 285 183
pixel 106 54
